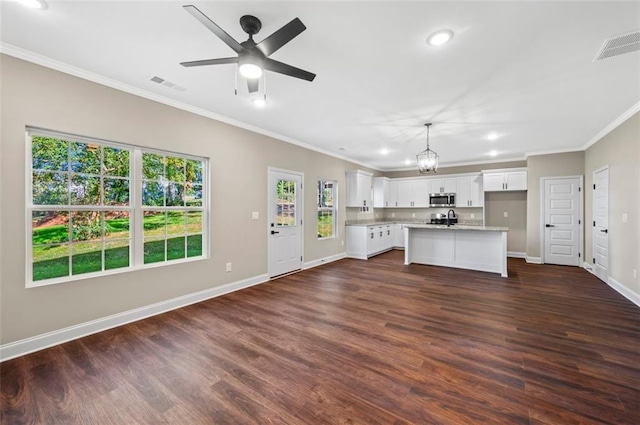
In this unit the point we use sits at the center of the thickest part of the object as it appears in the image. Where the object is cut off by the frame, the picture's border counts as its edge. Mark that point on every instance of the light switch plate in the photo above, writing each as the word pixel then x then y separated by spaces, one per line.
pixel 472 215
pixel 625 218
pixel 506 214
pixel 255 215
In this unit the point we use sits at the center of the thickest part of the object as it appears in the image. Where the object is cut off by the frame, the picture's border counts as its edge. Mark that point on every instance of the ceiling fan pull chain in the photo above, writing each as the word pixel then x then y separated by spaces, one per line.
pixel 264 86
pixel 236 86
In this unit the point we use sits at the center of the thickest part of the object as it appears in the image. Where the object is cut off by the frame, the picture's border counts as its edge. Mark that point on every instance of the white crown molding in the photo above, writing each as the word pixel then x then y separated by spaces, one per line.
pixel 461 164
pixel 614 124
pixel 47 62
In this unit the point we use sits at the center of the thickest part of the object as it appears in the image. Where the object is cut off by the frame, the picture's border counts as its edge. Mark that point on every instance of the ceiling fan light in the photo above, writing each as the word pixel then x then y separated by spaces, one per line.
pixel 259 102
pixel 34 4
pixel 250 70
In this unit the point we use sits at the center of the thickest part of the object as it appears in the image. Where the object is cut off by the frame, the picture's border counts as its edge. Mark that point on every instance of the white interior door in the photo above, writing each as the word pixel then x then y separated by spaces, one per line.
pixel 285 222
pixel 601 224
pixel 562 217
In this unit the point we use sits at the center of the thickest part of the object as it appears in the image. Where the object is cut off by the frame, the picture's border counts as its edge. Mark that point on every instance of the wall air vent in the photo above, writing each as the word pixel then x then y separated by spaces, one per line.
pixel 619 45
pixel 163 82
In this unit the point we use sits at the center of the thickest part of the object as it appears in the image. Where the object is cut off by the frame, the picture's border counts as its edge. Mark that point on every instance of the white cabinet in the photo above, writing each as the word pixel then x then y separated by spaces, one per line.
pixel 409 193
pixel 442 185
pixel 470 193
pixel 359 189
pixel 398 236
pixel 504 180
pixel 381 192
pixel 366 241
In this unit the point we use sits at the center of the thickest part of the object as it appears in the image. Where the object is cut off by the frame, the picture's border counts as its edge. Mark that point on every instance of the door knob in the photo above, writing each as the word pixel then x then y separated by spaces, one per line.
pixel 605 230
pixel 549 225
pixel 273 232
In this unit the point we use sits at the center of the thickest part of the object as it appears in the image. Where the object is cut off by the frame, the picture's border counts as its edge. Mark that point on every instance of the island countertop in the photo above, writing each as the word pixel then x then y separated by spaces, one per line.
pixel 457 227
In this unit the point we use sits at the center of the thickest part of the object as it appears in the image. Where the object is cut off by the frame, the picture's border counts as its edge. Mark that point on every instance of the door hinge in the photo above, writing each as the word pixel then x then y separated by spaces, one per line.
pixel 579 221
pixel 300 222
pixel 579 255
pixel 594 223
pixel 594 260
pixel 579 189
pixel 301 258
pixel 594 186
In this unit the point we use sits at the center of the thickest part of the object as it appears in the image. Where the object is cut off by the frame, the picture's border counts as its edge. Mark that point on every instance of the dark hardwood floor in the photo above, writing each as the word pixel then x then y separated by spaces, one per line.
pixel 355 342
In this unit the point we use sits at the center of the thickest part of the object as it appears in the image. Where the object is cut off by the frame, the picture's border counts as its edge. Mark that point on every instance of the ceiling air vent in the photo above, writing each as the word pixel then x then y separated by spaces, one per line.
pixel 163 82
pixel 619 45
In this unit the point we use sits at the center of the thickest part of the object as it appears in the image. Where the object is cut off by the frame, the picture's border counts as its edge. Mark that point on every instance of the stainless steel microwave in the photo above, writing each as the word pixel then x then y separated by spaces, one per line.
pixel 442 200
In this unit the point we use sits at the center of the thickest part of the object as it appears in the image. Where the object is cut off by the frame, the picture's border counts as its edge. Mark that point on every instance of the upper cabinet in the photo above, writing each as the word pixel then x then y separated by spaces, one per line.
pixel 359 189
pixel 505 180
pixel 443 185
pixel 469 191
pixel 409 193
pixel 381 192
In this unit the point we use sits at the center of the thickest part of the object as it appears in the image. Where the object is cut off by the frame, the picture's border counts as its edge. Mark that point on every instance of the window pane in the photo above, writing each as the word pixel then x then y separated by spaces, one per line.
pixel 285 203
pixel 193 197
pixel 85 190
pixel 50 261
pixel 50 188
pixel 116 191
pixel 194 245
pixel 115 162
pixel 49 154
pixel 49 227
pixel 154 223
pixel 152 166
pixel 116 254
pixel 175 195
pixel 85 158
pixel 153 194
pixel 154 250
pixel 116 225
pixel 86 225
pixel 325 223
pixel 176 248
pixel 194 222
pixel 86 257
pixel 194 171
pixel 176 224
pixel 175 169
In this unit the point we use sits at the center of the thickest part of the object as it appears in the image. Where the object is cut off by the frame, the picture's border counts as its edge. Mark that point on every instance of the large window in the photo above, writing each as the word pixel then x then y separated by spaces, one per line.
pixel 98 207
pixel 326 208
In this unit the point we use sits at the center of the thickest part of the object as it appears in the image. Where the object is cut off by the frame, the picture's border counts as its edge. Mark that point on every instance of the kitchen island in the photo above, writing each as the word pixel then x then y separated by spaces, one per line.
pixel 482 248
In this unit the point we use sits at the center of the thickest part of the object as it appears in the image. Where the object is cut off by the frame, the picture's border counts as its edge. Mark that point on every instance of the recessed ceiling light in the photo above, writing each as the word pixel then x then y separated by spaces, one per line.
pixel 438 38
pixel 384 151
pixel 34 4
pixel 259 102
pixel 407 162
pixel 492 136
pixel 493 153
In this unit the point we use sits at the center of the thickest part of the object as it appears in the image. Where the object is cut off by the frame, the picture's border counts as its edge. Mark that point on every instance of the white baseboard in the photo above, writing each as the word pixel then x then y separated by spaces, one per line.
pixel 49 339
pixel 325 260
pixel 624 291
pixel 588 267
pixel 357 256
pixel 533 260
pixel 514 254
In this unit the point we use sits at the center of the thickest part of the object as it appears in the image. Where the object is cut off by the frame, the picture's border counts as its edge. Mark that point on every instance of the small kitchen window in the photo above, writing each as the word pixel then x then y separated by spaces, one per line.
pixel 327 211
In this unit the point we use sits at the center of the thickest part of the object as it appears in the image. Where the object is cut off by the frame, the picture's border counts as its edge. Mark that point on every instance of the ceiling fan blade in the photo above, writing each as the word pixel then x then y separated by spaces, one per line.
pixel 253 84
pixel 281 37
pixel 292 71
pixel 204 62
pixel 214 28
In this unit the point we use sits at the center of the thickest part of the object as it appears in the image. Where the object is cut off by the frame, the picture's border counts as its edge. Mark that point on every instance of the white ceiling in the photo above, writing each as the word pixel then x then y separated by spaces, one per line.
pixel 524 70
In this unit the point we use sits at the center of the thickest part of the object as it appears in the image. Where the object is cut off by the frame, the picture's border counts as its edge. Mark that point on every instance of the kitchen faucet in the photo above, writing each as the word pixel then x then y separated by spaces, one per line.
pixel 449 216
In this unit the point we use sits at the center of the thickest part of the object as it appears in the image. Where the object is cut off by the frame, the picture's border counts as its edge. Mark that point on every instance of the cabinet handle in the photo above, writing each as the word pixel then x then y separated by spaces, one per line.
pixel 380 234
pixel 371 235
pixel 365 203
pixel 386 204
pixel 388 232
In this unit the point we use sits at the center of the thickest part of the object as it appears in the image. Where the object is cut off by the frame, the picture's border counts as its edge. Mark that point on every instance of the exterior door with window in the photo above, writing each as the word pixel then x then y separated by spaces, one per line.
pixel 285 230
pixel 601 224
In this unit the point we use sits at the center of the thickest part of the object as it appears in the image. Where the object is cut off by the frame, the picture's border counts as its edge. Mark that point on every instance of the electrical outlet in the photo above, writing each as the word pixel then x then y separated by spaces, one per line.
pixel 393 215
pixel 505 214
pixel 625 218
pixel 472 215
pixel 255 215
pixel 413 215
pixel 342 242
pixel 228 267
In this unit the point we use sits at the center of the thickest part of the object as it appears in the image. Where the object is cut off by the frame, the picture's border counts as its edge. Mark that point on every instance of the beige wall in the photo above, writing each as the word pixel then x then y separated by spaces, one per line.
pixel 620 151
pixel 37 96
pixel 553 165
pixel 515 205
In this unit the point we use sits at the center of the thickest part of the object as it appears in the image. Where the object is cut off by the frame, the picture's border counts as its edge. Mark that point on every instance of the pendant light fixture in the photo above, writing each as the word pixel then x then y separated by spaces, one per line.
pixel 427 159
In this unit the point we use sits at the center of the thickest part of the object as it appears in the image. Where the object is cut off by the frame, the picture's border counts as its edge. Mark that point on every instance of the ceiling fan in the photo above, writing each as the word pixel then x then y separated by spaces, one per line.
pixel 253 57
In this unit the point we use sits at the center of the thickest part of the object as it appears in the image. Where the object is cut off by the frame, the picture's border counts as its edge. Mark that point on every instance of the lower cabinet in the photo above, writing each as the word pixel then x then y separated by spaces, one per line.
pixel 366 241
pixel 398 236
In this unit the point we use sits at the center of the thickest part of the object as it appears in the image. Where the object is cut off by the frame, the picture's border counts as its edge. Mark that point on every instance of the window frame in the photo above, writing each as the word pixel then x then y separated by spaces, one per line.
pixel 333 209
pixel 135 208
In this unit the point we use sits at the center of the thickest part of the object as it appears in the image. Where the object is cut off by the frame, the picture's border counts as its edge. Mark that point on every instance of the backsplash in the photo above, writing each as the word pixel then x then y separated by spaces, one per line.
pixel 471 216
